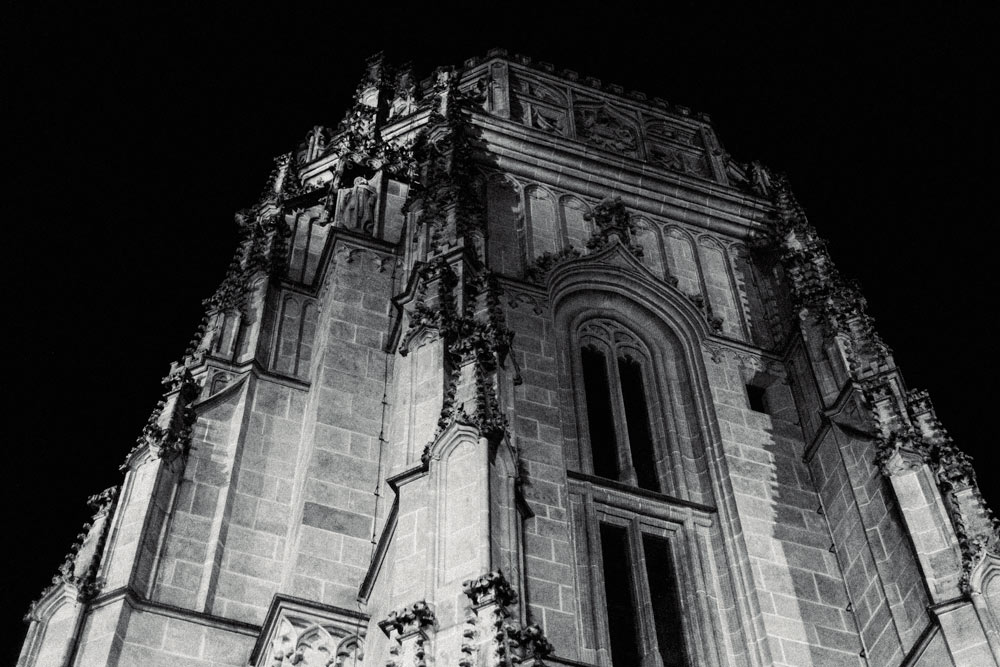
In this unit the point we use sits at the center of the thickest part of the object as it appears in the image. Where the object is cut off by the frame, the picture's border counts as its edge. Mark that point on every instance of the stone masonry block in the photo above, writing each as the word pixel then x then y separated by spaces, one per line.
pixel 336 520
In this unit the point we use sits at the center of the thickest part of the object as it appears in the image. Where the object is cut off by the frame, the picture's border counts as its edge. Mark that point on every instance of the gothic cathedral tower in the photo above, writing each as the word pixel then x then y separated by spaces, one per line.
pixel 517 368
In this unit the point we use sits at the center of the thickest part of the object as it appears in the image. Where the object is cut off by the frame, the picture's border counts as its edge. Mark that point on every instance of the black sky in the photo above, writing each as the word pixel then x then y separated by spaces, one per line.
pixel 134 135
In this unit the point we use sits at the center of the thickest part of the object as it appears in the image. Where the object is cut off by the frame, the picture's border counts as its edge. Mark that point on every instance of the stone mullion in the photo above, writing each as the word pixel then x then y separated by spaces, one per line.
pixel 643 597
pixel 626 473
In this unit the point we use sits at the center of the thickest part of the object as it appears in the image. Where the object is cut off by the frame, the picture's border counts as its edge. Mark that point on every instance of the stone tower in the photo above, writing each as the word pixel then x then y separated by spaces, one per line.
pixel 516 367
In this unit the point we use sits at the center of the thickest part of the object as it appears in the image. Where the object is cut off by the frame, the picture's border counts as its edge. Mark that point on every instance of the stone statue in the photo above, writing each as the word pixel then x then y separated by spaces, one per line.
pixel 356 206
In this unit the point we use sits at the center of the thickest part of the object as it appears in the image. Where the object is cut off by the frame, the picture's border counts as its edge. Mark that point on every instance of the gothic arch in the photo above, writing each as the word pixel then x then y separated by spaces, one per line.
pixel 613 285
pixel 670 328
pixel 52 619
pixel 984 586
pixel 458 469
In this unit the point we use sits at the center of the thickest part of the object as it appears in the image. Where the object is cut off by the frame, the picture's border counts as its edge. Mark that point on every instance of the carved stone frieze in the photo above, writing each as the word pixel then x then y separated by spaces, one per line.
pixel 298 634
pixel 601 127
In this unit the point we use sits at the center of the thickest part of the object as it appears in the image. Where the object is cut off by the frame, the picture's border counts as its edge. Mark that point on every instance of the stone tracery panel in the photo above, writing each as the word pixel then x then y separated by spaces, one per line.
pixel 600 125
pixel 540 106
pixel 313 646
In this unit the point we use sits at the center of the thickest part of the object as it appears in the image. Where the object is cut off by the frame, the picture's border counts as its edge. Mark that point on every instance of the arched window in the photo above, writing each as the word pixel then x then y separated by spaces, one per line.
pixel 617 384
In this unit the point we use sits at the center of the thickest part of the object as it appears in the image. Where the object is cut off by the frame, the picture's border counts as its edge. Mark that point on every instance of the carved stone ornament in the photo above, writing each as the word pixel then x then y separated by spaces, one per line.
pixel 603 129
pixel 408 620
pixel 312 645
pixel 356 206
pixel 491 587
pixel 167 433
pixel 547 120
pixel 677 160
pixel 612 220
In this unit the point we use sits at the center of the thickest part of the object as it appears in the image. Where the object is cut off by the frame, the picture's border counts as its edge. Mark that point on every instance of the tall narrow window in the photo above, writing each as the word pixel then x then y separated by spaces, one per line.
pixel 642 603
pixel 617 387
pixel 623 628
pixel 666 603
pixel 640 440
pixel 600 419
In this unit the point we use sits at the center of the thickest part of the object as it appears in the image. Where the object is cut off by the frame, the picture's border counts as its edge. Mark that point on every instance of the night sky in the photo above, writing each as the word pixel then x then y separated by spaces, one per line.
pixel 134 137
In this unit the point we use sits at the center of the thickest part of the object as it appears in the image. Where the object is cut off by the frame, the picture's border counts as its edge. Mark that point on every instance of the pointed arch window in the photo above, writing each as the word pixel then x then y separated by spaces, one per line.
pixel 618 384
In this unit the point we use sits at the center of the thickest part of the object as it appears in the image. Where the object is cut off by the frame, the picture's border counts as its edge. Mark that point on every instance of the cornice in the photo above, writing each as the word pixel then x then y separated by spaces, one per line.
pixel 137 601
pixel 614 489
pixel 645 188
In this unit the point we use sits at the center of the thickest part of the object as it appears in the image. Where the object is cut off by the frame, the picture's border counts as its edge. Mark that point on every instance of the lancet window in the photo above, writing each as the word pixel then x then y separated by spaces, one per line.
pixel 618 384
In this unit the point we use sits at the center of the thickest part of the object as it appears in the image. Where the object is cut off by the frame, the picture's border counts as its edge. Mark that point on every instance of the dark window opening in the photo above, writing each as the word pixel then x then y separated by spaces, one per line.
pixel 755 395
pixel 603 445
pixel 666 602
pixel 618 587
pixel 640 439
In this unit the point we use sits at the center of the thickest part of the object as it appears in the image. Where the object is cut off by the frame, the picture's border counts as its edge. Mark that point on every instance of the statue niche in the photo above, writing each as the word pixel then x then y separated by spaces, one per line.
pixel 356 206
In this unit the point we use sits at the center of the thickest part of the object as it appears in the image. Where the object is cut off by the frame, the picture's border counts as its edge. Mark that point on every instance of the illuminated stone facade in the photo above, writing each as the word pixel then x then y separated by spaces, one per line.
pixel 515 367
